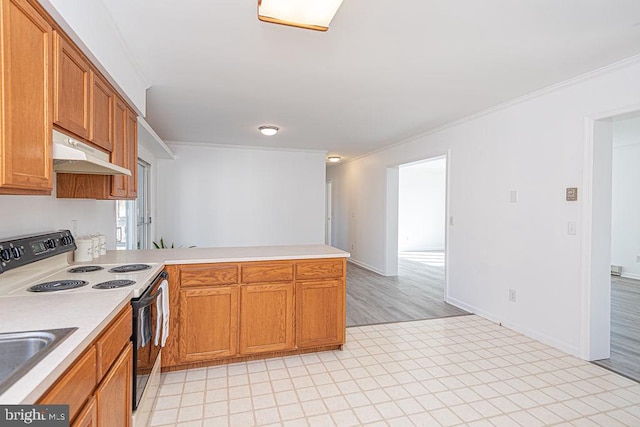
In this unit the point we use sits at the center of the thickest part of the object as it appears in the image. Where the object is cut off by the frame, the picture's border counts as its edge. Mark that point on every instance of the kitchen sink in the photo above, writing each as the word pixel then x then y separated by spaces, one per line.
pixel 21 351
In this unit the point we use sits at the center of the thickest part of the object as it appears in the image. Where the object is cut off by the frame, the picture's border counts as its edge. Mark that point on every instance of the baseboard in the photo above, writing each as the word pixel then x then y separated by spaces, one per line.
pixel 545 339
pixel 630 276
pixel 365 266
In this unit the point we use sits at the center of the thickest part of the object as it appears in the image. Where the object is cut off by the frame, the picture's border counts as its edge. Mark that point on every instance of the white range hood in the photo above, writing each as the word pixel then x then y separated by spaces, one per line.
pixel 73 156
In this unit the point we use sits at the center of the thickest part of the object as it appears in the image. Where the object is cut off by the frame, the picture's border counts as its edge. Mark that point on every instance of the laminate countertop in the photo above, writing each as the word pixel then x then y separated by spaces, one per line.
pixel 212 255
pixel 92 312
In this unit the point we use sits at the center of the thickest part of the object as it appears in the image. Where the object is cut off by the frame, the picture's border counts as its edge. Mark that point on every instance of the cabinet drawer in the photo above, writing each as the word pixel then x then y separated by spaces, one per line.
pixel 320 269
pixel 75 386
pixel 111 343
pixel 267 272
pixel 204 275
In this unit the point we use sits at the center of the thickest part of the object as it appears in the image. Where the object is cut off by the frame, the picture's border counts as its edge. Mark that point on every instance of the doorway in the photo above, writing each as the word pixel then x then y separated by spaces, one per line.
pixel 422 188
pixel 624 258
pixel 133 217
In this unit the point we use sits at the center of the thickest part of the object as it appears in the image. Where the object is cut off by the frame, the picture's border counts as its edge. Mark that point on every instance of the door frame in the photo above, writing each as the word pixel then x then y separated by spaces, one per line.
pixel 391 217
pixel 595 290
pixel 328 213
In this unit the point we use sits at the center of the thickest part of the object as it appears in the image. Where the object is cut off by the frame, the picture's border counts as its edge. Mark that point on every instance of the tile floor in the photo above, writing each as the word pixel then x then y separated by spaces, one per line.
pixel 453 371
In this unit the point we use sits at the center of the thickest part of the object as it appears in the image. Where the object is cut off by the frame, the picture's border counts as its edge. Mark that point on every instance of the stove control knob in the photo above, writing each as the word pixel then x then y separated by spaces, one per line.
pixel 16 253
pixel 5 255
pixel 67 240
pixel 50 244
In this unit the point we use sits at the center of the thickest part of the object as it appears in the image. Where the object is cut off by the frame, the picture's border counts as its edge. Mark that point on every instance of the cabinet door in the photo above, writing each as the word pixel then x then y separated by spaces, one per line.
pixel 71 90
pixel 113 396
pixel 208 322
pixel 89 415
pixel 132 154
pixel 102 110
pixel 320 313
pixel 26 101
pixel 266 317
pixel 119 153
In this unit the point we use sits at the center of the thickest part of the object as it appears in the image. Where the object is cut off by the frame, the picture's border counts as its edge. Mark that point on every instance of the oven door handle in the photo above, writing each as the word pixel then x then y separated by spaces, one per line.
pixel 146 301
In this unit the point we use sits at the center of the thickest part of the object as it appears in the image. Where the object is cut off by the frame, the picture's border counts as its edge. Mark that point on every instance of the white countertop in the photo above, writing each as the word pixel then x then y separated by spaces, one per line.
pixel 91 313
pixel 207 255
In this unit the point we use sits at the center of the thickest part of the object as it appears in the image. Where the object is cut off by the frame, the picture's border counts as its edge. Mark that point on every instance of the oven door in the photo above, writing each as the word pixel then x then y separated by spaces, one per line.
pixel 147 335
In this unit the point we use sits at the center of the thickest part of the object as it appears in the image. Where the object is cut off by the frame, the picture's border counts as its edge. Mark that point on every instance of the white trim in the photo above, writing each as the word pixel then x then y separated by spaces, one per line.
pixel 159 149
pixel 587 223
pixel 243 147
pixel 634 276
pixel 365 266
pixel 545 339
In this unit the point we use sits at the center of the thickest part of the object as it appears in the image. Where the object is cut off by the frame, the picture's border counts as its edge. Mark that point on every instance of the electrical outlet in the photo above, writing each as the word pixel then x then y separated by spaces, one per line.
pixel 512 295
pixel 353 246
pixel 638 258
pixel 74 228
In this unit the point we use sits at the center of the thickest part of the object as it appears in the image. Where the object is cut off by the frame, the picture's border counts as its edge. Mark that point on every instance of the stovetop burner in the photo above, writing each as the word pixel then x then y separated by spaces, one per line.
pixel 85 269
pixel 58 285
pixel 129 268
pixel 111 284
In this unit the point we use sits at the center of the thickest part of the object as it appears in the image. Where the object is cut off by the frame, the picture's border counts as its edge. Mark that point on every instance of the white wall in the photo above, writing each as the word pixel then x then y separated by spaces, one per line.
pixel 218 196
pixel 89 23
pixel 422 206
pixel 536 145
pixel 625 237
pixel 20 215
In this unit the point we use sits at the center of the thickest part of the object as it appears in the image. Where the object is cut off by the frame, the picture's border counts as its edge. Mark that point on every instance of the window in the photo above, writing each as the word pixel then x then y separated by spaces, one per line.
pixel 133 217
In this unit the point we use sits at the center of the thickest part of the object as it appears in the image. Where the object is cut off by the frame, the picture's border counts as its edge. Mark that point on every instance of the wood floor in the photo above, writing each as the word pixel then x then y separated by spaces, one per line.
pixel 625 328
pixel 416 293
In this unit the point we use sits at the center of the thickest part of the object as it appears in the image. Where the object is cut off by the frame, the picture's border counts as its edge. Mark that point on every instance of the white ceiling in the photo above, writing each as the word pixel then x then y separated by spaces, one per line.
pixel 385 71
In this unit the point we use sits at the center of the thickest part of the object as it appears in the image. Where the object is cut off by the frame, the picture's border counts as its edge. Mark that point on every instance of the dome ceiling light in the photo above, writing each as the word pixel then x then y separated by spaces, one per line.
pixel 334 159
pixel 268 130
pixel 309 14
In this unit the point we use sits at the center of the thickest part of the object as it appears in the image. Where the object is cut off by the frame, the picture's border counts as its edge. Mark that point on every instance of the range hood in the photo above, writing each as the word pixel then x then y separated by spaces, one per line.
pixel 73 156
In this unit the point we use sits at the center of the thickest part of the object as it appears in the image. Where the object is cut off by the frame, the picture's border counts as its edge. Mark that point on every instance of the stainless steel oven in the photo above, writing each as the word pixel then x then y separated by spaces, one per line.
pixel 148 323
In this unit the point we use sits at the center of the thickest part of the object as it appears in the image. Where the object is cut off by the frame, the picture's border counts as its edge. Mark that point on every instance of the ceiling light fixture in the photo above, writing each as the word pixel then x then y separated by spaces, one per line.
pixel 309 14
pixel 334 159
pixel 268 130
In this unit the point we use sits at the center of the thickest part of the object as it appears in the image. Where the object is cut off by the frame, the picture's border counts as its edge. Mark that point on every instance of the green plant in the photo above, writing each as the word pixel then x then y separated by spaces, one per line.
pixel 162 245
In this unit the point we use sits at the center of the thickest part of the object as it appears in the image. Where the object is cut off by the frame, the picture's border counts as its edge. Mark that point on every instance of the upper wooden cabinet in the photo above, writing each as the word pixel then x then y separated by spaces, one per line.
pixel 119 155
pixel 132 154
pixel 102 110
pixel 26 102
pixel 72 88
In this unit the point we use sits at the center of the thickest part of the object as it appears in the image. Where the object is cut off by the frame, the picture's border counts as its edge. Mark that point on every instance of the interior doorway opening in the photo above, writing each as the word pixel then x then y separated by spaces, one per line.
pixel 620 135
pixel 422 195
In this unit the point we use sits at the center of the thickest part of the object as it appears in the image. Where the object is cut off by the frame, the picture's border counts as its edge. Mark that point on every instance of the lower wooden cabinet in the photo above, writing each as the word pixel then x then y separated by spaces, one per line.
pixel 113 408
pixel 320 313
pixel 208 322
pixel 89 415
pixel 98 385
pixel 266 318
pixel 230 311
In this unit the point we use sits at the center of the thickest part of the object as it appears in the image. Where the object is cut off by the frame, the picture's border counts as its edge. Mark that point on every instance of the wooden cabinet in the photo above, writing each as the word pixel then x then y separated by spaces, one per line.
pixel 89 415
pixel 237 311
pixel 26 100
pixel 119 153
pixel 76 385
pixel 98 385
pixel 113 397
pixel 208 323
pixel 320 313
pixel 102 110
pixel 266 318
pixel 71 89
pixel 132 154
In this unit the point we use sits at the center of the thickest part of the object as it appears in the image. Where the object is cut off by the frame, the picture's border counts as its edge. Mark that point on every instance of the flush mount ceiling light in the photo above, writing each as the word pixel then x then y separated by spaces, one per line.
pixel 334 159
pixel 309 14
pixel 268 130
